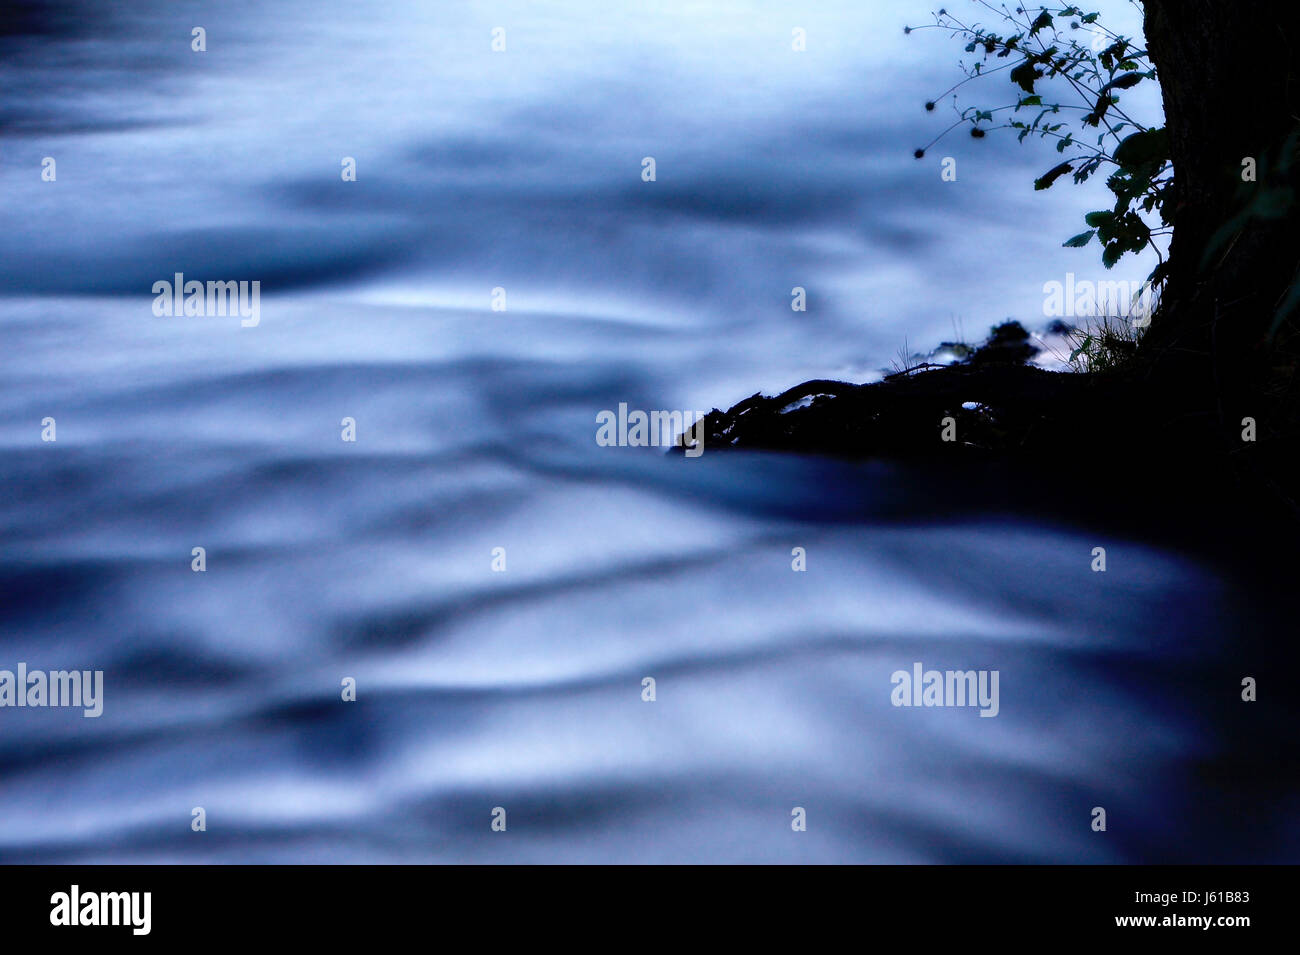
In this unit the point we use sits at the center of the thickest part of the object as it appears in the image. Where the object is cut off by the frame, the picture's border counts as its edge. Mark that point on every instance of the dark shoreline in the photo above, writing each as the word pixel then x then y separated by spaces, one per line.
pixel 1125 450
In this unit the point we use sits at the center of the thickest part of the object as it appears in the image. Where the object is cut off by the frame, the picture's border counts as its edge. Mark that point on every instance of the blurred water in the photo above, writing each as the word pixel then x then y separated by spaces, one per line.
pixel 475 430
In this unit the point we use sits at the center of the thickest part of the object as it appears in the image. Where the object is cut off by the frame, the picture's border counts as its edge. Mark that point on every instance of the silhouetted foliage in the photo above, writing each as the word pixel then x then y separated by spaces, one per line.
pixel 1066 89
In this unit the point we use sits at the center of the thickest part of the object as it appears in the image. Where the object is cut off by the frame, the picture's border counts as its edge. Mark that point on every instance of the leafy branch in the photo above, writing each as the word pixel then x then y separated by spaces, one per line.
pixel 1071 88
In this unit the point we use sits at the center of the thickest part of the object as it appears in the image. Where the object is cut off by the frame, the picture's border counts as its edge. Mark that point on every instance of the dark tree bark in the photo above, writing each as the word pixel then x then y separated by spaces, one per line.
pixel 1228 73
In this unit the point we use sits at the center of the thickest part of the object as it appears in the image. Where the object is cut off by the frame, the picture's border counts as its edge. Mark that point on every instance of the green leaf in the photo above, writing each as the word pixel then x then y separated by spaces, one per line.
pixel 1099 218
pixel 1158 274
pixel 1148 146
pixel 1056 172
pixel 1124 82
pixel 1080 240
pixel 1025 74
pixel 1030 101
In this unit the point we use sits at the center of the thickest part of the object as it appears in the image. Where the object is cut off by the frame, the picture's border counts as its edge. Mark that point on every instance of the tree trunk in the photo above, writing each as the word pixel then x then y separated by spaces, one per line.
pixel 1228 73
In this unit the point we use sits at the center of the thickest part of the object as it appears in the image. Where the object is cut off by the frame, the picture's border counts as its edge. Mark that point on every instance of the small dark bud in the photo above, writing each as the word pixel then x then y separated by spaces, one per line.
pixel 929 107
pixel 919 154
pixel 976 132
